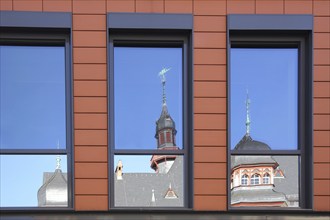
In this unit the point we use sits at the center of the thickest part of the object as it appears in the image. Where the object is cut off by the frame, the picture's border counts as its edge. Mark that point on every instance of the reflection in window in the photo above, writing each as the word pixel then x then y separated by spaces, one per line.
pixel 142 98
pixel 33 126
pixel 148 99
pixel 265 80
pixel 278 192
pixel 33 180
pixel 32 97
pixel 138 184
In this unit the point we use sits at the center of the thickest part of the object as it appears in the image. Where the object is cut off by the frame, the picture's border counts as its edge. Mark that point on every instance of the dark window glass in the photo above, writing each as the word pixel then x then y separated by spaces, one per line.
pixel 32 97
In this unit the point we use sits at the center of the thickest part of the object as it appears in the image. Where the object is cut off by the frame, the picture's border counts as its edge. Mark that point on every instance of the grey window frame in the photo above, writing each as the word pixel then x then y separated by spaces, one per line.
pixel 44 29
pixel 165 30
pixel 277 31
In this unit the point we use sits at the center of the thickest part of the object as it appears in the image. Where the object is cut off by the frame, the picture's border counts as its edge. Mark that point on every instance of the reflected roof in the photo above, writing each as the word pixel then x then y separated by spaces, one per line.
pixel 135 189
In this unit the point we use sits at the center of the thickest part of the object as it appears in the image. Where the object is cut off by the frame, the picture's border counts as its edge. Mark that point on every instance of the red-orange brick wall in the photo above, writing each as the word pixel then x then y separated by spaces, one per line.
pixel 90 89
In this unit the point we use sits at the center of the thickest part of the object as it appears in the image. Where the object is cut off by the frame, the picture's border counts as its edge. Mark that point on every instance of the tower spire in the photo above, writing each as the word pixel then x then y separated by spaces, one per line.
pixel 163 78
pixel 248 121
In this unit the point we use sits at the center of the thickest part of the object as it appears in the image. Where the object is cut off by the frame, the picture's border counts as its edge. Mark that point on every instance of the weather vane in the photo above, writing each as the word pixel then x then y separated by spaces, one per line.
pixel 163 78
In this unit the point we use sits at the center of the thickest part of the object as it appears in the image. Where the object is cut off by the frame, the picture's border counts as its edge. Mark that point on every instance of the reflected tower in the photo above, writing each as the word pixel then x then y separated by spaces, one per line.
pixel 165 134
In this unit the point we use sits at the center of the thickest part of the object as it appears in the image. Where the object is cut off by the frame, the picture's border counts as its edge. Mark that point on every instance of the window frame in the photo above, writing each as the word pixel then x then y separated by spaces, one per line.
pixel 44 29
pixel 153 30
pixel 279 31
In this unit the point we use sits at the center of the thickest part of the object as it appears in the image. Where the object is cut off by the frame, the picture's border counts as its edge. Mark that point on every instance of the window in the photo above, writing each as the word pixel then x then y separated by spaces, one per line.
pixel 35 116
pixel 150 140
pixel 255 179
pixel 266 179
pixel 244 179
pixel 270 114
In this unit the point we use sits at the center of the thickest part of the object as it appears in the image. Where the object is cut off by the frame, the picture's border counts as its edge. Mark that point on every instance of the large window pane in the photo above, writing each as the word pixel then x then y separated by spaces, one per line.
pixel 265 181
pixel 32 97
pixel 270 75
pixel 139 94
pixel 33 181
pixel 148 180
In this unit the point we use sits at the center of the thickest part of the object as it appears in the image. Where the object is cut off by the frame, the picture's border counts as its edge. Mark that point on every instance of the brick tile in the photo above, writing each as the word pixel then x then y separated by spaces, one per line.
pixel 27 5
pixel 89 55
pixel 210 203
pixel 322 24
pixel 90 104
pixel 90 88
pixel 89 39
pixel 91 186
pixel 90 121
pixel 91 170
pixel 6 5
pixel 178 6
pixel 91 153
pixel 150 6
pixel 321 105
pixel 322 40
pixel 210 56
pixel 91 137
pixel 57 6
pixel 210 23
pixel 90 71
pixel 322 89
pixel 241 7
pixel 89 22
pixel 322 56
pixel 269 6
pixel 322 154
pixel 89 7
pixel 210 89
pixel 210 138
pixel 210 72
pixel 210 170
pixel 91 203
pixel 210 40
pixel 298 7
pixel 210 105
pixel 322 73
pixel 322 122
pixel 321 203
pixel 210 121
pixel 322 171
pixel 210 154
pixel 321 7
pixel 210 187
pixel 321 187
pixel 120 6
pixel 321 138
pixel 209 7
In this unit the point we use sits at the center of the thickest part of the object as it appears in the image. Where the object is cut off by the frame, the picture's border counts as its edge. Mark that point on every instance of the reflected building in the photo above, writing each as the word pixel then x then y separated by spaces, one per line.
pixel 54 191
pixel 262 180
pixel 165 186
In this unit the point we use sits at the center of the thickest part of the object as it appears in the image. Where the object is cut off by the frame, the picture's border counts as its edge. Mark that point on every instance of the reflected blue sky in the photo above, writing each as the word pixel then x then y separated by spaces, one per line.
pixel 32 97
pixel 22 175
pixel 32 116
pixel 138 94
pixel 271 77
